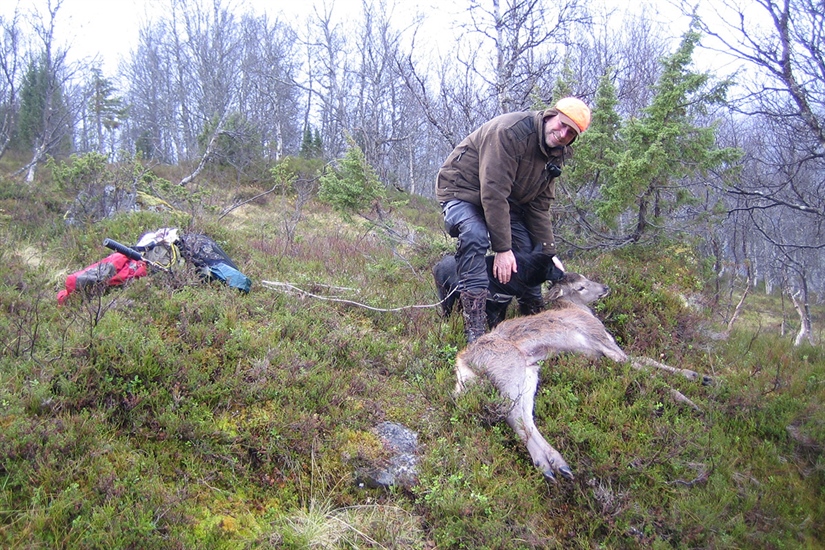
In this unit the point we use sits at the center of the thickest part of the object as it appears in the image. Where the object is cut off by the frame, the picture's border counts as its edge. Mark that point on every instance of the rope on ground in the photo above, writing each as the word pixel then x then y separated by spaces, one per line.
pixel 289 287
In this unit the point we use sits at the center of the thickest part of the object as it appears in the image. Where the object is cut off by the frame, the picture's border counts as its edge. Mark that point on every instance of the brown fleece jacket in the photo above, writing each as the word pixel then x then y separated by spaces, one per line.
pixel 502 164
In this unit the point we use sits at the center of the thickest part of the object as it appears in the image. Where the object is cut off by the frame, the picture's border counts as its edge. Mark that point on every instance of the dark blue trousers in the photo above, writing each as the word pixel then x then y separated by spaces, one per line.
pixel 465 221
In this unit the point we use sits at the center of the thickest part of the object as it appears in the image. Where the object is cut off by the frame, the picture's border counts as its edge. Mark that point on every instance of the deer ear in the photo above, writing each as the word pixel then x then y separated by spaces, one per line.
pixel 555 292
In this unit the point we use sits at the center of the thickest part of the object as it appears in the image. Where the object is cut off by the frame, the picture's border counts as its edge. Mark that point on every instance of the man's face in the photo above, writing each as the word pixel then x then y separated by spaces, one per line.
pixel 557 133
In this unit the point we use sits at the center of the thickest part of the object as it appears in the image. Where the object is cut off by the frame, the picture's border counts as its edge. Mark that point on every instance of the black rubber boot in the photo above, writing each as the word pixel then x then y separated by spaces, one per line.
pixel 474 304
pixel 531 305
pixel 496 313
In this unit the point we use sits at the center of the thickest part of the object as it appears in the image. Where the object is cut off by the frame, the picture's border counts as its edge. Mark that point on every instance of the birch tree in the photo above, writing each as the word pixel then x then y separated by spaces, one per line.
pixel 523 36
pixel 328 55
pixel 11 56
pixel 780 47
pixel 45 119
pixel 269 96
pixel 153 127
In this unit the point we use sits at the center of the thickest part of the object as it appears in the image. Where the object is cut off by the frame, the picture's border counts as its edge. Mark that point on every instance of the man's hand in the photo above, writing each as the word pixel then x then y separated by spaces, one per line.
pixel 504 265
pixel 557 273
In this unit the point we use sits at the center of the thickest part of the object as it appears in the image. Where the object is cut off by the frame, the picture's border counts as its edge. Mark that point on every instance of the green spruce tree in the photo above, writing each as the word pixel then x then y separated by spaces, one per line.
pixel 665 149
pixel 107 110
pixel 354 186
pixel 33 96
pixel 598 149
pixel 317 145
pixel 307 151
pixel 44 122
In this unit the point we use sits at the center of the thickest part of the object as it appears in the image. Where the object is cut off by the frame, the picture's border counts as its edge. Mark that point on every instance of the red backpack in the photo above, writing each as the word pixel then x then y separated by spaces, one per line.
pixel 113 270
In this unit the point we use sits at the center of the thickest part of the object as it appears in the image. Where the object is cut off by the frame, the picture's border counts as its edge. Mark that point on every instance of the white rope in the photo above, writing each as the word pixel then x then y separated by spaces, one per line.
pixel 274 285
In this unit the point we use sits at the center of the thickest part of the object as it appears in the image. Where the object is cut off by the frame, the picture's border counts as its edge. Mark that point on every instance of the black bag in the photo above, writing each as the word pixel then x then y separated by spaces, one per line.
pixel 207 255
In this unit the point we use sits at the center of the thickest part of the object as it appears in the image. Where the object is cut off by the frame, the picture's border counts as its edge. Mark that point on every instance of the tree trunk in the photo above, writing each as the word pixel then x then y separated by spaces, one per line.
pixel 210 149
pixel 738 308
pixel 800 303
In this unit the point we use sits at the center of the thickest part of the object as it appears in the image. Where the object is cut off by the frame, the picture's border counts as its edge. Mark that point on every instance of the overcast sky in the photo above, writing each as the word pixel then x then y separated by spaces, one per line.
pixel 109 28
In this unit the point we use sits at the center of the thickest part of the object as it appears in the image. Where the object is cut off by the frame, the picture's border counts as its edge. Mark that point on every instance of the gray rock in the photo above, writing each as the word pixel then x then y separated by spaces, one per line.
pixel 401 468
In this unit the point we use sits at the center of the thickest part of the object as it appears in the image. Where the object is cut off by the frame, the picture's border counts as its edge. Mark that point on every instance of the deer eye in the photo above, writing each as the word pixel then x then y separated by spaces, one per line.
pixel 580 289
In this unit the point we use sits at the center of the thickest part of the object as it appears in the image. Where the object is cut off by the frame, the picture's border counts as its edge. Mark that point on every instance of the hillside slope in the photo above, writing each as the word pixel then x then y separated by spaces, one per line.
pixel 173 413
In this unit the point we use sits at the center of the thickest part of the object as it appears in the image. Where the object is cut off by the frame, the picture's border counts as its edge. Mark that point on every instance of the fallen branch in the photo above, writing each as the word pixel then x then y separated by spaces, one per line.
pixel 641 362
pixel 701 478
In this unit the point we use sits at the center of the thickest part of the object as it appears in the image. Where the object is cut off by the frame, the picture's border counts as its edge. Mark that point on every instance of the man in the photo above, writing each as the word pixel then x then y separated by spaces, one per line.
pixel 495 191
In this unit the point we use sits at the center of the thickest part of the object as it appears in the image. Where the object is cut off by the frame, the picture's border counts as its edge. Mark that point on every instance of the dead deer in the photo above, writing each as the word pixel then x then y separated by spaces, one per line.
pixel 510 356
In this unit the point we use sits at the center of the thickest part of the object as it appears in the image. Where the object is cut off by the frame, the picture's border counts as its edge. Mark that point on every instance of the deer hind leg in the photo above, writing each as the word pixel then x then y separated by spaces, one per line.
pixel 519 383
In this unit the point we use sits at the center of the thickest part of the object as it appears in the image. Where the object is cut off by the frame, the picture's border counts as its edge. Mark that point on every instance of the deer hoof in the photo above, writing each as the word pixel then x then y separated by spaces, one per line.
pixel 566 473
pixel 549 476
